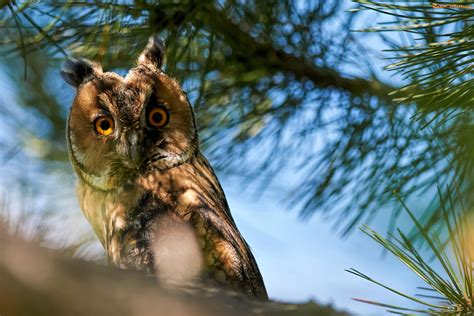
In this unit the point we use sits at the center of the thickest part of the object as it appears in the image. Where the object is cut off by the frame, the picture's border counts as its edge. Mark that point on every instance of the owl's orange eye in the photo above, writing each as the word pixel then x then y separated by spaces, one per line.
pixel 158 117
pixel 104 125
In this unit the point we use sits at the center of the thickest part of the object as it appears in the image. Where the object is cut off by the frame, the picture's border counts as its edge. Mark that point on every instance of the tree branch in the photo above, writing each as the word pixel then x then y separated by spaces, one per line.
pixel 252 52
pixel 37 281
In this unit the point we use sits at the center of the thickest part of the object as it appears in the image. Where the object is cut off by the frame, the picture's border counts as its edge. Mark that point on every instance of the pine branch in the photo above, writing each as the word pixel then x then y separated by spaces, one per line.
pixel 265 55
pixel 258 86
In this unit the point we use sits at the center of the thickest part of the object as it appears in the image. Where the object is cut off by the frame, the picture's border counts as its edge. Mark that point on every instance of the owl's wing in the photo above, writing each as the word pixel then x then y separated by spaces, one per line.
pixel 228 256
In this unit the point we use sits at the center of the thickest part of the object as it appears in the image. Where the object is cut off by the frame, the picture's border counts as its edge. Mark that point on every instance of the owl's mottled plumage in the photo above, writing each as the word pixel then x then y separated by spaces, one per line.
pixel 133 143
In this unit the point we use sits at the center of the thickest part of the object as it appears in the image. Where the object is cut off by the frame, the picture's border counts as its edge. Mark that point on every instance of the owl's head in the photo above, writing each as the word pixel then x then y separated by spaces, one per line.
pixel 121 127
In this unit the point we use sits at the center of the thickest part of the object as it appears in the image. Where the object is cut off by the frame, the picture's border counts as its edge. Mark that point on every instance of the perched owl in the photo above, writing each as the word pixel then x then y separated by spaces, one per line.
pixel 134 145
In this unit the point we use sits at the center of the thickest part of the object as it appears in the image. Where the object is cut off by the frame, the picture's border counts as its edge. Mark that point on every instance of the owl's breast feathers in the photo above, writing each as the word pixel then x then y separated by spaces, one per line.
pixel 127 220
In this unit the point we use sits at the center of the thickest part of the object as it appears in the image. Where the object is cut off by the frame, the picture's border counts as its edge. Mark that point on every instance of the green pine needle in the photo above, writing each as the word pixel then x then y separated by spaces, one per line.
pixel 453 282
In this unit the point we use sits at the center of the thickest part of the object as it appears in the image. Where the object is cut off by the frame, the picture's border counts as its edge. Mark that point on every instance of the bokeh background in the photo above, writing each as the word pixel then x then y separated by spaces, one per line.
pixel 312 132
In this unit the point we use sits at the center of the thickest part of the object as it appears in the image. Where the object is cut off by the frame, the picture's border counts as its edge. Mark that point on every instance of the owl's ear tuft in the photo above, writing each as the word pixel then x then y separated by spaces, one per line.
pixel 75 71
pixel 154 52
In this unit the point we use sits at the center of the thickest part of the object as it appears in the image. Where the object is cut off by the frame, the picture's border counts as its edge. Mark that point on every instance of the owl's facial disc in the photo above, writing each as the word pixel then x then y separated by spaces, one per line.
pixel 122 127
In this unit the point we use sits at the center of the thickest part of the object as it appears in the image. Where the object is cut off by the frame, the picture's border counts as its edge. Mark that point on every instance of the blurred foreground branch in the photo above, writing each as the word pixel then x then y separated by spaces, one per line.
pixel 38 281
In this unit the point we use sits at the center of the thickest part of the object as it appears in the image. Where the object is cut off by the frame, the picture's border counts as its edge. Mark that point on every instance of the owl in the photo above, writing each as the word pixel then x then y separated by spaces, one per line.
pixel 133 143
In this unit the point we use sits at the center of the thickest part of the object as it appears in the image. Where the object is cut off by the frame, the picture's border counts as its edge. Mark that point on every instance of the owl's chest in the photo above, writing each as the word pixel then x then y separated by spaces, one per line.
pixel 111 214
pixel 114 213
pixel 107 212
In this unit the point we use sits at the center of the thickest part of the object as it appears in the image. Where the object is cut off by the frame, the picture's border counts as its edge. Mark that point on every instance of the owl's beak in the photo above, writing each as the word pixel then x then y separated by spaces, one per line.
pixel 135 150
